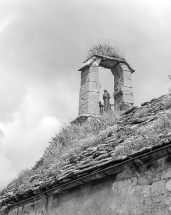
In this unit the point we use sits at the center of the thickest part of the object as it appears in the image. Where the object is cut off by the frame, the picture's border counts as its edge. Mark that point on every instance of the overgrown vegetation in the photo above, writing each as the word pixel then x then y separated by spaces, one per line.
pixel 71 139
pixel 105 49
pixel 74 138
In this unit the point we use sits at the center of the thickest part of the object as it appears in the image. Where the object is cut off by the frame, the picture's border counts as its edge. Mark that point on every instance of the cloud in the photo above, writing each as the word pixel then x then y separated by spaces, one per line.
pixel 26 136
pixel 7 172
pixel 5 23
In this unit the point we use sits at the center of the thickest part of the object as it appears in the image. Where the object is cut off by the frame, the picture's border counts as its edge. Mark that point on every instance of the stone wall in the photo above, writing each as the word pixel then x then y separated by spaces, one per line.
pixel 141 191
pixel 123 92
pixel 89 91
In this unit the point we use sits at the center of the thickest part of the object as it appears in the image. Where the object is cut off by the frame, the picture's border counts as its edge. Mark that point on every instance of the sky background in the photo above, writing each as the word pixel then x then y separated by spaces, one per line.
pixel 42 45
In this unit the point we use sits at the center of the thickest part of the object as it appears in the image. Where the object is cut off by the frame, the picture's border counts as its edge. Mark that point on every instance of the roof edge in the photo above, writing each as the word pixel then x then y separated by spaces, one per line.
pixel 146 156
pixel 91 59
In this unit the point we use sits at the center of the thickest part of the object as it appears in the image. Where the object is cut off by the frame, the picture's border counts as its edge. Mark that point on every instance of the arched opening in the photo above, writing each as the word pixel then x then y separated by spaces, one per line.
pixel 106 80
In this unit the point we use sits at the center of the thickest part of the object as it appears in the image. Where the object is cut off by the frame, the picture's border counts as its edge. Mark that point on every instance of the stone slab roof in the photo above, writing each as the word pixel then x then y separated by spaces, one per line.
pixel 138 131
pixel 105 61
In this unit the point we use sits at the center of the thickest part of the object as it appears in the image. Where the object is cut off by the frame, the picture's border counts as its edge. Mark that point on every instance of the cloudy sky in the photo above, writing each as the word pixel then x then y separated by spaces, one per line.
pixel 42 45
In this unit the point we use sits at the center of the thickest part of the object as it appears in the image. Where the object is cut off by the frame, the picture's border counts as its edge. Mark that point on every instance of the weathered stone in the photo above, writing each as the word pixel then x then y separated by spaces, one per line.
pixel 127 82
pixel 160 164
pixel 134 181
pixel 158 188
pixel 89 98
pixel 89 108
pixel 166 174
pixel 146 191
pixel 123 86
pixel 89 91
pixel 89 87
pixel 125 99
pixel 168 185
pixel 84 72
pixel 124 175
pixel 13 212
pixel 143 181
pixel 124 67
pixel 90 76
pixel 28 208
pixel 127 90
pixel 20 210
pixel 40 206
pixel 94 177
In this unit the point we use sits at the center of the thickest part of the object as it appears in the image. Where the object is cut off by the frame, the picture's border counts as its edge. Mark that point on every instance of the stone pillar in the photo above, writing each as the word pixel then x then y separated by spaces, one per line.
pixel 123 93
pixel 89 90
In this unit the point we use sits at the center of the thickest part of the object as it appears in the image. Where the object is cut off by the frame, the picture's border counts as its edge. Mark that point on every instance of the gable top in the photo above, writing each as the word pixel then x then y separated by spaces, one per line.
pixel 105 61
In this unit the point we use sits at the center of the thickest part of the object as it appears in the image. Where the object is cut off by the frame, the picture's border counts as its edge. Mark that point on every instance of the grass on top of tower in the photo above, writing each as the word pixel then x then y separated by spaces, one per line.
pixel 106 50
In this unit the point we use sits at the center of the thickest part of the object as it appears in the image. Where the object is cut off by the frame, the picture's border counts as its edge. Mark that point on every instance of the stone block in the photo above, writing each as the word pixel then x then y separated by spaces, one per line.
pixel 13 212
pixel 20 211
pixel 121 71
pixel 85 72
pixel 127 90
pixel 93 108
pixel 119 90
pixel 168 185
pixel 90 77
pixel 92 68
pixel 134 181
pixel 127 82
pixel 124 99
pixel 90 86
pixel 50 203
pixel 160 165
pixel 124 67
pixel 158 188
pixel 128 98
pixel 123 82
pixel 89 97
pixel 40 206
pixel 89 108
pixel 94 177
pixel 146 191
pixel 121 76
pixel 126 75
pixel 28 208
pixel 124 175
pixel 143 181
pixel 166 174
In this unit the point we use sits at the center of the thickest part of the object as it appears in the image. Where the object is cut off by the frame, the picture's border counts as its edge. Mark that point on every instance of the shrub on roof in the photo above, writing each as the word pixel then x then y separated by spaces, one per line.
pixel 105 49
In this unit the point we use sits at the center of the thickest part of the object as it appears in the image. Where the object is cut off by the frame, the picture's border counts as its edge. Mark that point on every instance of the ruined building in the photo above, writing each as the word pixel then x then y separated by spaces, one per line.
pixel 126 172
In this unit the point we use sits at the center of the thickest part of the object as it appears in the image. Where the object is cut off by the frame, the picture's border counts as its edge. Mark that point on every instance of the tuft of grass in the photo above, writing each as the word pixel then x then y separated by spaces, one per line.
pixel 105 49
pixel 75 137
pixel 22 177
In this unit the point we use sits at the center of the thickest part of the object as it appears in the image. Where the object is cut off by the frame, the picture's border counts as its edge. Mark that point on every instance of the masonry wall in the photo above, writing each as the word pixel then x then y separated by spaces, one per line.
pixel 89 91
pixel 141 191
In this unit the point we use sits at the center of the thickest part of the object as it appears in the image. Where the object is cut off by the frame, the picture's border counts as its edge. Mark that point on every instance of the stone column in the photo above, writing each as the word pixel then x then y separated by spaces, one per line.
pixel 89 90
pixel 123 93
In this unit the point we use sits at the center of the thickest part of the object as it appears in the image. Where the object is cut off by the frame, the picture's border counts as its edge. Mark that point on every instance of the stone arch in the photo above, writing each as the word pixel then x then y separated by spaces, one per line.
pixel 90 85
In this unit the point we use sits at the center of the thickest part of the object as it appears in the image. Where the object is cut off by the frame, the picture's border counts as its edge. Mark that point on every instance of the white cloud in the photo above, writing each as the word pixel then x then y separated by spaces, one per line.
pixel 26 136
pixel 5 23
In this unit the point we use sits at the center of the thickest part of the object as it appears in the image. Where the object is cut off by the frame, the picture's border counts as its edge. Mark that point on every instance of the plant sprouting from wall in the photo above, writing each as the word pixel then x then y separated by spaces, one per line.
pixel 105 49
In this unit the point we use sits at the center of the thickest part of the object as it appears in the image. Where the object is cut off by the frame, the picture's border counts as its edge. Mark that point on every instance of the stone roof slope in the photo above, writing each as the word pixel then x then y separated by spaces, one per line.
pixel 137 131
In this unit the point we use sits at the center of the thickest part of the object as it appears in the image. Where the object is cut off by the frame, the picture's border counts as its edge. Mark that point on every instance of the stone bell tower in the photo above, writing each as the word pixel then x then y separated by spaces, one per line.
pixel 90 85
